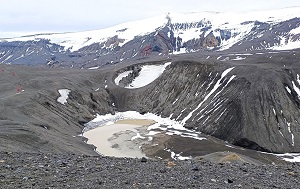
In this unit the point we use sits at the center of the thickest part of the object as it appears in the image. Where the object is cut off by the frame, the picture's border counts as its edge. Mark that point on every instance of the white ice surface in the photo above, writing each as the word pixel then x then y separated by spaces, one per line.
pixel 121 76
pixel 171 127
pixel 177 156
pixel 151 133
pixel 239 58
pixel 64 95
pixel 147 75
pixel 138 135
pixel 295 31
pixel 290 157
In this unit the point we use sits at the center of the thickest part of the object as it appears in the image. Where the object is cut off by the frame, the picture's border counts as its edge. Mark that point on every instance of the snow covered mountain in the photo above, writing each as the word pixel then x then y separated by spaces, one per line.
pixel 173 33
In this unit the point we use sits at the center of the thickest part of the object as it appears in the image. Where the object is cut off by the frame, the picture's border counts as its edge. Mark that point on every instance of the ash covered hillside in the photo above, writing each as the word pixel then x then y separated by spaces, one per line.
pixel 173 33
pixel 251 101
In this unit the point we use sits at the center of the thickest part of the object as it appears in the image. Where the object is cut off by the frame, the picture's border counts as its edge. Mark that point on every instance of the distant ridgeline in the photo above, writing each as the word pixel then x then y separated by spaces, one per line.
pixel 175 33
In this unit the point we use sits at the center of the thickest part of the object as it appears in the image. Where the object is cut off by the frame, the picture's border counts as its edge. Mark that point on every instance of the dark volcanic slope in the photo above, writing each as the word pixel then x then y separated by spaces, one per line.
pixel 20 170
pixel 257 109
pixel 33 121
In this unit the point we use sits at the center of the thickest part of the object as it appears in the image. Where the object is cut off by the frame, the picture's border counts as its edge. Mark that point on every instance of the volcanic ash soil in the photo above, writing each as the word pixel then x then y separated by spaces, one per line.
pixel 27 170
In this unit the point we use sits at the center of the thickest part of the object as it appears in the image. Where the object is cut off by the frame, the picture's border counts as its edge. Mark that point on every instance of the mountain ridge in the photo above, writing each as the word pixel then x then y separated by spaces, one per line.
pixel 173 33
pixel 161 16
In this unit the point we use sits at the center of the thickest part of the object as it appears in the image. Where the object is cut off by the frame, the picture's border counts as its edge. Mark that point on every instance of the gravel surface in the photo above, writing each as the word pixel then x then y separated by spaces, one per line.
pixel 27 170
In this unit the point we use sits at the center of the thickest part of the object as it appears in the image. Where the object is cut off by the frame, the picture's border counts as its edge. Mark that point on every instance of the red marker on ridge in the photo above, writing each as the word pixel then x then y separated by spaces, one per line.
pixel 19 88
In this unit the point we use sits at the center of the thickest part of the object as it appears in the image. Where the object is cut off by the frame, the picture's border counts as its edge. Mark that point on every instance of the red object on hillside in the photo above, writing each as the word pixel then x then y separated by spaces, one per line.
pixel 147 50
pixel 13 73
pixel 2 70
pixel 19 88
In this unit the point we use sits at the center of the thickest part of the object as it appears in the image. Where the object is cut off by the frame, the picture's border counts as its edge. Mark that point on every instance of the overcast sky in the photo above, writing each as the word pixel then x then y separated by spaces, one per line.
pixel 37 16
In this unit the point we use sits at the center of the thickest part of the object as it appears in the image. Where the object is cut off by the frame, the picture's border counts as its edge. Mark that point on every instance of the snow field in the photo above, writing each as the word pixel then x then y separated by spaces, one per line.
pixel 146 76
pixel 121 76
pixel 64 95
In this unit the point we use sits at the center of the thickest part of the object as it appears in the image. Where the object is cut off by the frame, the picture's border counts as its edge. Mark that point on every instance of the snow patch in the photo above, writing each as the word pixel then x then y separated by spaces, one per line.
pixel 292 135
pixel 290 157
pixel 239 58
pixel 137 136
pixel 147 75
pixel 295 31
pixel 286 44
pixel 64 95
pixel 151 133
pixel 93 68
pixel 121 76
pixel 181 51
pixel 177 156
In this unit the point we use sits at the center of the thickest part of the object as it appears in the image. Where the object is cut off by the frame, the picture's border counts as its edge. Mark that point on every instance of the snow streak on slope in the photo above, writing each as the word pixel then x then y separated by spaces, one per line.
pixel 216 86
pixel 121 76
pixel 147 75
pixel 296 89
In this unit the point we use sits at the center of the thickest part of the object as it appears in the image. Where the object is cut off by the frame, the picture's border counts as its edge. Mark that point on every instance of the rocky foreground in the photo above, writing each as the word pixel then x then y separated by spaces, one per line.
pixel 27 170
pixel 255 105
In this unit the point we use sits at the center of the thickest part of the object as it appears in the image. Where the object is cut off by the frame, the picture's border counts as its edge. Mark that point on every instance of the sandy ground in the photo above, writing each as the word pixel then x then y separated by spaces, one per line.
pixel 122 139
